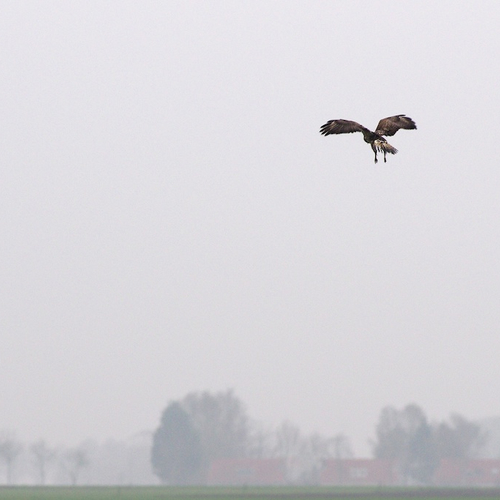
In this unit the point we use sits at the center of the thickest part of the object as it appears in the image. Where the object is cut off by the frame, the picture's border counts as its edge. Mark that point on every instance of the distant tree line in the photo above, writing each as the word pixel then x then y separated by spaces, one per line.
pixel 418 445
pixel 42 458
pixel 205 426
pixel 112 462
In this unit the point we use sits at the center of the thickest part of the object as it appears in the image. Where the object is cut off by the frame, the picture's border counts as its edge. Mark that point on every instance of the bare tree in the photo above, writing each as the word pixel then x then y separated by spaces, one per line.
pixel 261 441
pixel 289 446
pixel 42 456
pixel 222 422
pixel 304 456
pixel 340 449
pixel 315 449
pixel 10 448
pixel 74 461
pixel 288 440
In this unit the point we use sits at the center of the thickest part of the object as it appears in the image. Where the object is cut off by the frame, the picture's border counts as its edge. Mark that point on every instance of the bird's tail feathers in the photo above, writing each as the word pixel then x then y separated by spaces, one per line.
pixel 385 147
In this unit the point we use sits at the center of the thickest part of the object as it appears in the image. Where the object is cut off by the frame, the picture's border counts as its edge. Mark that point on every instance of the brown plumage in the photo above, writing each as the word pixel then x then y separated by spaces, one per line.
pixel 387 126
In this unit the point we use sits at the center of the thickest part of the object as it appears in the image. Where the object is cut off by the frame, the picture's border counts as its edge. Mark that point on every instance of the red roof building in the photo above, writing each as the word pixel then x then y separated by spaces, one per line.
pixel 353 472
pixel 478 472
pixel 359 472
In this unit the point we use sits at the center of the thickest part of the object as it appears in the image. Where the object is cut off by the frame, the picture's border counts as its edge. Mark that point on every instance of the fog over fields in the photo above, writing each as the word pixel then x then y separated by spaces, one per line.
pixel 173 221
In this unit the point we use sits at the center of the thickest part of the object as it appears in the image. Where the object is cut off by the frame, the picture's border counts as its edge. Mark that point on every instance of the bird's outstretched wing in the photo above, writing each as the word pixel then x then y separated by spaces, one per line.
pixel 341 127
pixel 390 125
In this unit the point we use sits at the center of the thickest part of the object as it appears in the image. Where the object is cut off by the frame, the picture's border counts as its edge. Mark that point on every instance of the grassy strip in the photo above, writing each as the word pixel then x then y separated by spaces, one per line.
pixel 240 493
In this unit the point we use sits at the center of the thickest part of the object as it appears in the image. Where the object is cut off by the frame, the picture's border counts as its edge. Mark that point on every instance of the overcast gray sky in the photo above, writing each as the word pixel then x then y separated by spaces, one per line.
pixel 172 220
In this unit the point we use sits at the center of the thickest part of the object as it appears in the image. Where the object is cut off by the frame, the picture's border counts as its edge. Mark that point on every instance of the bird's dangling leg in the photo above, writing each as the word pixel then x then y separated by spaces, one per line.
pixel 374 149
pixel 385 154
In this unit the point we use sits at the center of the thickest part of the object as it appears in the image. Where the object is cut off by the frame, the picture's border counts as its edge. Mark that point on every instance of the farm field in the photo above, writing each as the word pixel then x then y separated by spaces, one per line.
pixel 239 493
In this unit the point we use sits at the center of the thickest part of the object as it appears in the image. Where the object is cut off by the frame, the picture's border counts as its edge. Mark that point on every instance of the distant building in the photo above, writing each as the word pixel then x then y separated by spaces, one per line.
pixel 353 472
pixel 359 472
pixel 243 471
pixel 479 472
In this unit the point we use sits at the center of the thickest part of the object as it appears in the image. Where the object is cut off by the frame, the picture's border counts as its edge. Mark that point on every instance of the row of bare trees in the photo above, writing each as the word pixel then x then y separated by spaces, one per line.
pixel 305 454
pixel 41 457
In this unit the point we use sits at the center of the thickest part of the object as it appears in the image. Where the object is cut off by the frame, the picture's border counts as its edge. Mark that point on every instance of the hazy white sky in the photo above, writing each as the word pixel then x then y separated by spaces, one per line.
pixel 172 220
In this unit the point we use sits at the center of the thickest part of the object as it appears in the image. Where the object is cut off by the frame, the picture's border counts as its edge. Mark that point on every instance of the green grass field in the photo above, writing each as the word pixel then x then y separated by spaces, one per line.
pixel 239 493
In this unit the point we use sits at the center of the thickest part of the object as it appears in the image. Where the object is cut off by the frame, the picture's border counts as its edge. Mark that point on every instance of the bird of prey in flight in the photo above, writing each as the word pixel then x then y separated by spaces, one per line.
pixel 387 126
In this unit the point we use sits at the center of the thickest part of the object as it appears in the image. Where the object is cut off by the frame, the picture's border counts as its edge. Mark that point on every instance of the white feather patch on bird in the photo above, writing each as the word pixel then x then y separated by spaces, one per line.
pixel 385 146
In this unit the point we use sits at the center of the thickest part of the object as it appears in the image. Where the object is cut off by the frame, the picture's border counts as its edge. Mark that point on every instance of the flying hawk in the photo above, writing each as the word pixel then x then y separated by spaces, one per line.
pixel 387 126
